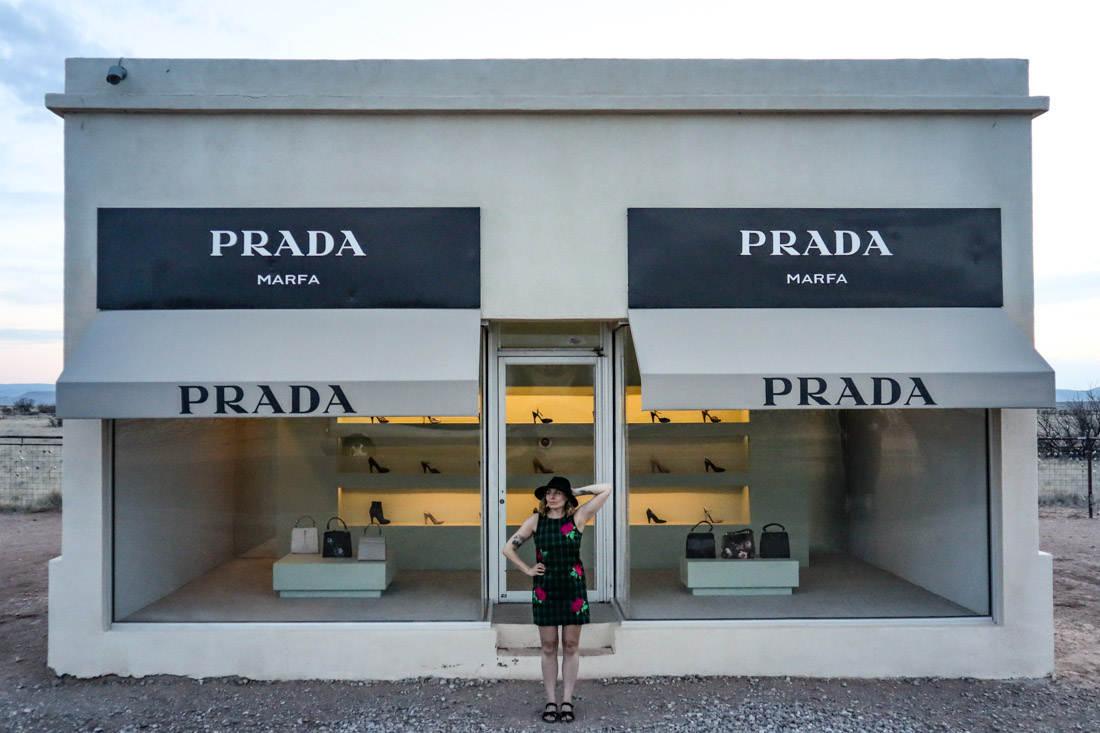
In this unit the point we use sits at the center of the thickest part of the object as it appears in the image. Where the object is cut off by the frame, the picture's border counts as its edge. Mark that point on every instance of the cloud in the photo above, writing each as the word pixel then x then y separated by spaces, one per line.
pixel 35 38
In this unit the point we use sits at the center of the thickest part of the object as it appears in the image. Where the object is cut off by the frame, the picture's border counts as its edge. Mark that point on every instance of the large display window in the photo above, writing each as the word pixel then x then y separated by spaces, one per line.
pixel 868 513
pixel 204 513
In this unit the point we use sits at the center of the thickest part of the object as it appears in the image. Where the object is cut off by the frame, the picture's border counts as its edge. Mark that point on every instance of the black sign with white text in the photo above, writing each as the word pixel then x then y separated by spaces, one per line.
pixel 152 258
pixel 814 258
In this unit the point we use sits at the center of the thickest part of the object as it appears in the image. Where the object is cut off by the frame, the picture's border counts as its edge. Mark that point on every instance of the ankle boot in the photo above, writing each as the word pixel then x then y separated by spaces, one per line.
pixel 376 513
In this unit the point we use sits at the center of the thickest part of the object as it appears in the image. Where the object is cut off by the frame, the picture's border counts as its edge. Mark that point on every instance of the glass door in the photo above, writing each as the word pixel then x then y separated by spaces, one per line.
pixel 550 421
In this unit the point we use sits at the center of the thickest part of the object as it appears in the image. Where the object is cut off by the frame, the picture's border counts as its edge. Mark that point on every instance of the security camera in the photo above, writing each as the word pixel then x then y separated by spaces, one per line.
pixel 115 74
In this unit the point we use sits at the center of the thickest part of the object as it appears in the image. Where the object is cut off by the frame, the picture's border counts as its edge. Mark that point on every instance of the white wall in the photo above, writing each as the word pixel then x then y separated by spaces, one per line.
pixel 553 191
pixel 920 499
pixel 174 499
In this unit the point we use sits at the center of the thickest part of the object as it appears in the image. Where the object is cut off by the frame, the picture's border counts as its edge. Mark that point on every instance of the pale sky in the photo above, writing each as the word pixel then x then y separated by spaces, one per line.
pixel 36 36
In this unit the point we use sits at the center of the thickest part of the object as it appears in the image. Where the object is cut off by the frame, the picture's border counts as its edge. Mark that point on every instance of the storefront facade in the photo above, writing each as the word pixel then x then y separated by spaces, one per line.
pixel 405 293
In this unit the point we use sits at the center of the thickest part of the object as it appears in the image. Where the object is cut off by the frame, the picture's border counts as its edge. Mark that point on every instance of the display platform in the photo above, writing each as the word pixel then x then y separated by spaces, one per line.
pixel 313 576
pixel 755 577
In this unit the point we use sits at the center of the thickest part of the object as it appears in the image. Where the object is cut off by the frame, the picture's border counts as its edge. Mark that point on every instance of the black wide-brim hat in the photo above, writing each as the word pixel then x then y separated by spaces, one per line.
pixel 561 484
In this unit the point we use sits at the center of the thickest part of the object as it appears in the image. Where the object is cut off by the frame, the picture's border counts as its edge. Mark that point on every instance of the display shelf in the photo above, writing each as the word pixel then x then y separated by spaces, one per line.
pixel 406 433
pixel 664 481
pixel 729 504
pixel 405 507
pixel 409 482
pixel 660 431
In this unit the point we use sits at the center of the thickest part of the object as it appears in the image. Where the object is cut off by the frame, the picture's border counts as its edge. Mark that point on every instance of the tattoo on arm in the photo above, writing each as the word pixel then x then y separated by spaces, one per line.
pixel 582 492
pixel 517 541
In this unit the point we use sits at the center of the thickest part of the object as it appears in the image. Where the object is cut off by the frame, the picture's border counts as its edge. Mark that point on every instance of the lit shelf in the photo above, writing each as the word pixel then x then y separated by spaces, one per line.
pixel 658 431
pixel 404 433
pixel 411 482
pixel 662 481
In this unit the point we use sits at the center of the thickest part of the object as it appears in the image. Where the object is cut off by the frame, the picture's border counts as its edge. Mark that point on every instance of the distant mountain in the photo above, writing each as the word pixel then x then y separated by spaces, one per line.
pixel 42 394
pixel 1068 395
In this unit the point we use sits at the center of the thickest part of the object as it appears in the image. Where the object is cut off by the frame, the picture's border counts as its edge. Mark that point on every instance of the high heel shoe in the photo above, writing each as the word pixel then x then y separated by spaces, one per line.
pixel 657 467
pixel 539 468
pixel 380 419
pixel 655 416
pixel 432 420
pixel 652 518
pixel 376 466
pixel 428 467
pixel 376 514
pixel 712 520
pixel 536 417
pixel 428 515
pixel 712 466
pixel 708 416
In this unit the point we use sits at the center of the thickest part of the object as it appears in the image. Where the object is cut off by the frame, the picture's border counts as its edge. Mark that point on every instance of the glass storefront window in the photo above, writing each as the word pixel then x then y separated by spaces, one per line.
pixel 858 494
pixel 204 512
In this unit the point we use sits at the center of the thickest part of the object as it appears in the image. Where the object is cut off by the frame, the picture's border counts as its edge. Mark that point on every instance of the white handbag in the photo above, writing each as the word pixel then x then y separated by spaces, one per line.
pixel 303 540
pixel 372 548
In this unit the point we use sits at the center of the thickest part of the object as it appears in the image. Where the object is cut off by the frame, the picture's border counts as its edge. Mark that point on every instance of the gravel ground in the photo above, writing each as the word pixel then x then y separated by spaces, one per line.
pixel 32 698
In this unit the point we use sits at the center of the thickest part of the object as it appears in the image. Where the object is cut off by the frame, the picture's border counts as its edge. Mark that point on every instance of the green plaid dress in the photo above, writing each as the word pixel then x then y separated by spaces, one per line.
pixel 559 596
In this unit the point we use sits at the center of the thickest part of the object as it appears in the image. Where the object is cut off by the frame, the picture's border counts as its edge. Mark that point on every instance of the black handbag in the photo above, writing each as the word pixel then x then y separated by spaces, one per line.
pixel 701 544
pixel 774 543
pixel 337 542
pixel 738 545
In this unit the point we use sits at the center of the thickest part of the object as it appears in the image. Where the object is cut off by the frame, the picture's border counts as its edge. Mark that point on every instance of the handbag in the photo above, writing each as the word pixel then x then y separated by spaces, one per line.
pixel 700 544
pixel 337 541
pixel 303 540
pixel 738 545
pixel 372 548
pixel 774 543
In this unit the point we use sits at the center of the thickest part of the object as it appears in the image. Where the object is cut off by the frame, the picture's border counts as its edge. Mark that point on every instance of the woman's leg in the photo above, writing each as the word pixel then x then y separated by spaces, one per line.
pixel 571 659
pixel 548 635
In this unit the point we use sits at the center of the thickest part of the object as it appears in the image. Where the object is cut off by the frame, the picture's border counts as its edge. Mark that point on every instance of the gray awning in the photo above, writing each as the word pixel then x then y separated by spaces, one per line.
pixel 838 358
pixel 262 363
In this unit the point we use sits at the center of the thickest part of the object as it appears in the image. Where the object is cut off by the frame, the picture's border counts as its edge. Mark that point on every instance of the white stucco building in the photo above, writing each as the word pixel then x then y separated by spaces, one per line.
pixel 402 292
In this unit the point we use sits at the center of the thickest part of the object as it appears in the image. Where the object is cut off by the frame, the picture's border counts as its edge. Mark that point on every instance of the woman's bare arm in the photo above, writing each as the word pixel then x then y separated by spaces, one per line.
pixel 516 541
pixel 600 493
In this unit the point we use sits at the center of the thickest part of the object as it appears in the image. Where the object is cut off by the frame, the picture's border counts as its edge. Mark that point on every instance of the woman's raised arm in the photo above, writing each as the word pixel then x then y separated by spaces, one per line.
pixel 600 493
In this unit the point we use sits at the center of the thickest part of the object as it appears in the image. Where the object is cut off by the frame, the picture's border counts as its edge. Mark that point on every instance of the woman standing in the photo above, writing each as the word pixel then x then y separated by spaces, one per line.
pixel 559 597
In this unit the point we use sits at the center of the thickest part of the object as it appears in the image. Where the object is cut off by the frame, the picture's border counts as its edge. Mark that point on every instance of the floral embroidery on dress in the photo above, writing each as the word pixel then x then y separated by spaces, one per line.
pixel 579 606
pixel 569 530
pixel 539 555
pixel 578 571
pixel 539 594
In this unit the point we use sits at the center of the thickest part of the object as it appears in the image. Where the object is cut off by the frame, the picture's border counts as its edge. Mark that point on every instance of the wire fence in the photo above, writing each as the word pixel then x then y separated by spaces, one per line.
pixel 30 472
pixel 1069 470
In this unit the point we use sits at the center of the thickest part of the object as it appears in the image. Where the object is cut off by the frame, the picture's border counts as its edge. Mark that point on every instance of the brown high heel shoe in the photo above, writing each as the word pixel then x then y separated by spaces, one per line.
pixel 656 466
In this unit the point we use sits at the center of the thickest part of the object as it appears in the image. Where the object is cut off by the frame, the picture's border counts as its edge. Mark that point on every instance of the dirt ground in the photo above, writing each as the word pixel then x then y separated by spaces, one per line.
pixel 32 698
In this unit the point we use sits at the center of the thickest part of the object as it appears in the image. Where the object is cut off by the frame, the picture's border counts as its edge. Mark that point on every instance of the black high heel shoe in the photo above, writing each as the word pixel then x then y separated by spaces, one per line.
pixel 708 416
pixel 536 417
pixel 376 514
pixel 712 466
pixel 539 468
pixel 375 465
pixel 652 518
pixel 432 420
pixel 655 416
pixel 712 520
pixel 428 515
pixel 428 467
pixel 656 466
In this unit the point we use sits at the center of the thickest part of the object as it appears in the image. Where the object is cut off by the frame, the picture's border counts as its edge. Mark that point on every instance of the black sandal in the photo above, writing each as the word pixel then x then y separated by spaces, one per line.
pixel 566 716
pixel 550 713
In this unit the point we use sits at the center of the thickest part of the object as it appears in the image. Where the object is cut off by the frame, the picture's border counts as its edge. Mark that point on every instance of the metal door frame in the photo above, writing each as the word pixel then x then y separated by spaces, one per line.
pixel 604 469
